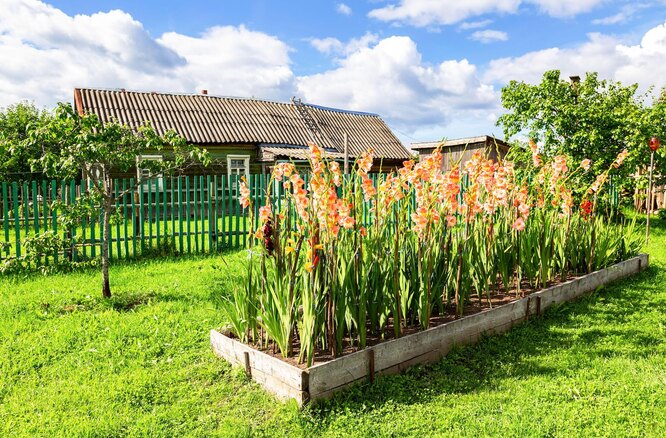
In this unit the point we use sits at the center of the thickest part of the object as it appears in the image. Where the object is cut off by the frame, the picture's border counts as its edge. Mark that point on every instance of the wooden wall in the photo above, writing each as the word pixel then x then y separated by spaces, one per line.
pixel 462 153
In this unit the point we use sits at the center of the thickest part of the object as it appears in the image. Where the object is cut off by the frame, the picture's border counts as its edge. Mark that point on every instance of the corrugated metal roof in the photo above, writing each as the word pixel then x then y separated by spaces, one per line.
pixel 205 119
pixel 457 142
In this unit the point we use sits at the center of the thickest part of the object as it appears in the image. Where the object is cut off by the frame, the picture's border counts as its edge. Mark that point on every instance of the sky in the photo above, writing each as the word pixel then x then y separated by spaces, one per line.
pixel 431 69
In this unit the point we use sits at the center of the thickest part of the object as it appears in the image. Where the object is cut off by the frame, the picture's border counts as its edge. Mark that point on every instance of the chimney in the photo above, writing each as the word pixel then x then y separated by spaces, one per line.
pixel 204 92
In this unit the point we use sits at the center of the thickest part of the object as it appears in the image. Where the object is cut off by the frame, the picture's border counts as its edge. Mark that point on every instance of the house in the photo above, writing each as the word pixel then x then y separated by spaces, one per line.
pixel 246 135
pixel 460 150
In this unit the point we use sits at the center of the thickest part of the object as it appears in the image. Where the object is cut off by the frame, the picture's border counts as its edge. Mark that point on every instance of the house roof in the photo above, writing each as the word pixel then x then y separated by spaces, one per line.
pixel 458 142
pixel 205 119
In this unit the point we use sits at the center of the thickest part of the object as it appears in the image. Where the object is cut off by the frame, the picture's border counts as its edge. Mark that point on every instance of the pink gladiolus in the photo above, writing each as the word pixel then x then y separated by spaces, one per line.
pixel 265 213
pixel 620 158
pixel 585 164
pixel 244 193
pixel 524 210
pixel 519 224
pixel 334 167
pixel 451 221
pixel 365 162
pixel 536 159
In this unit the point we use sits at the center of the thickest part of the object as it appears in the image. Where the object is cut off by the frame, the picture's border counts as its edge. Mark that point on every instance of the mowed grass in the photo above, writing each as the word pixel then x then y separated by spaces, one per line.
pixel 72 364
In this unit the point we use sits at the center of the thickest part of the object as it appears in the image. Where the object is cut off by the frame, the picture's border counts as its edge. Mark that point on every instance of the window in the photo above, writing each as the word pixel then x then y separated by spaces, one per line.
pixel 146 175
pixel 238 165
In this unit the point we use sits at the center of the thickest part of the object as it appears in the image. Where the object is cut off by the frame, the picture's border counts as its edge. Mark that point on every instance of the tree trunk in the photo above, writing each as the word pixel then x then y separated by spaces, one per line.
pixel 106 205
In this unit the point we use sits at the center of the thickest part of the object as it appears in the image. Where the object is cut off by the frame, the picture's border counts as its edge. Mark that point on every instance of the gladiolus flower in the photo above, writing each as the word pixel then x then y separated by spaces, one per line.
pixel 451 221
pixel 524 209
pixel 519 224
pixel 365 161
pixel 536 159
pixel 334 167
pixel 283 170
pixel 620 158
pixel 244 193
pixel 586 207
pixel 265 213
pixel 585 164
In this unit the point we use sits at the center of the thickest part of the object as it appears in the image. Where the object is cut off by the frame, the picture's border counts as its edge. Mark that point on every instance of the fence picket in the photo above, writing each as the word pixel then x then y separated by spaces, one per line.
pixel 195 207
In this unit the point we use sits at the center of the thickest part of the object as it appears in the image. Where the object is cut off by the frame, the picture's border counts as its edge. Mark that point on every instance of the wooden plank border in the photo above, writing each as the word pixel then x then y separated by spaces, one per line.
pixel 321 381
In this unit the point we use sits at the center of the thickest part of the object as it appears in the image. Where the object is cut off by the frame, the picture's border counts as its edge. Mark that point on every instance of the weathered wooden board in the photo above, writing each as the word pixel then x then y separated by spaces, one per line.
pixel 323 380
pixel 284 380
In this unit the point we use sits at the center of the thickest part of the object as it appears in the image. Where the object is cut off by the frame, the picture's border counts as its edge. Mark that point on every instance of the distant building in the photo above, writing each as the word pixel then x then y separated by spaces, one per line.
pixel 461 150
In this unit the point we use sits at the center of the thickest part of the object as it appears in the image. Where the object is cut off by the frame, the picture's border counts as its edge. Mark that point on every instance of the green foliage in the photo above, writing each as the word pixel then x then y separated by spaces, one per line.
pixel 140 364
pixel 15 123
pixel 341 262
pixel 593 119
pixel 73 144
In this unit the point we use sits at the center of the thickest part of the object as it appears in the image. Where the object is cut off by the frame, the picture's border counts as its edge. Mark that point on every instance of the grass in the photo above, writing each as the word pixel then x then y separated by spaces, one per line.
pixel 72 364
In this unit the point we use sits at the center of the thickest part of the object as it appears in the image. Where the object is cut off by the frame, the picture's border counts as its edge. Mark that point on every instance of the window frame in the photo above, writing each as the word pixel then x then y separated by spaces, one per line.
pixel 144 186
pixel 246 165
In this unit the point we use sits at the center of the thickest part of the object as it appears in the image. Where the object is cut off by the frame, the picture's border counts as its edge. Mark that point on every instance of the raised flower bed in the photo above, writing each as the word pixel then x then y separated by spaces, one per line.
pixel 350 275
pixel 320 381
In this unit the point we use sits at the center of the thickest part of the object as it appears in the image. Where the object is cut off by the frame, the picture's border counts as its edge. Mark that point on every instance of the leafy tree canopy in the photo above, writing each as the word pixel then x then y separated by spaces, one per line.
pixel 591 118
pixel 15 121
pixel 71 144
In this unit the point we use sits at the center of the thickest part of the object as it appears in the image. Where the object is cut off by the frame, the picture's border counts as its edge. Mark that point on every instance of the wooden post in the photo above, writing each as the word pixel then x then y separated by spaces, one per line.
pixel 371 365
pixel 346 149
pixel 248 369
pixel 649 200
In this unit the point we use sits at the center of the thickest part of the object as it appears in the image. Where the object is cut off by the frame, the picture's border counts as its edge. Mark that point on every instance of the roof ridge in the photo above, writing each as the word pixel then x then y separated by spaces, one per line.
pixel 215 96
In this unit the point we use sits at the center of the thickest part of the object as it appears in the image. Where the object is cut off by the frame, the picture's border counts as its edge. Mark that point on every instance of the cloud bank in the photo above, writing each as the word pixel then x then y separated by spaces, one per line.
pixel 53 52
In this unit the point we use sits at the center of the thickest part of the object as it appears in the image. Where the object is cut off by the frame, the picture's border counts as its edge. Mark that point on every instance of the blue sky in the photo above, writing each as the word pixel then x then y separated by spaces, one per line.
pixel 431 69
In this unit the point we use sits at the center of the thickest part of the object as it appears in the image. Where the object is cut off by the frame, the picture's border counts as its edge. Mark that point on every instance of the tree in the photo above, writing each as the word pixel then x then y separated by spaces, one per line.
pixel 592 118
pixel 71 144
pixel 15 121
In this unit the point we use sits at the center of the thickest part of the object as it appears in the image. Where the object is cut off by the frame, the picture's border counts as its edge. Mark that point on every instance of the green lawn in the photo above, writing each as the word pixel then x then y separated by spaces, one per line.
pixel 140 364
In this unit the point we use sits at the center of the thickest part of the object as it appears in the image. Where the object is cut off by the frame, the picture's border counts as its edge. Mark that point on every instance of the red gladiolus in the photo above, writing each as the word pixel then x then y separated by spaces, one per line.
pixel 586 208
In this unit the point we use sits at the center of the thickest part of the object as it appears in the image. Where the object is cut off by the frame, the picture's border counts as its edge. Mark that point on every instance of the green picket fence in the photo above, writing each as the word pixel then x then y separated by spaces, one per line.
pixel 184 214
pixel 180 214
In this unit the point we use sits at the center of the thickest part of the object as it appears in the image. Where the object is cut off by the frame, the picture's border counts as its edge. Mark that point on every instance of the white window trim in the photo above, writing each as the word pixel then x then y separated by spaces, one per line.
pixel 158 177
pixel 245 158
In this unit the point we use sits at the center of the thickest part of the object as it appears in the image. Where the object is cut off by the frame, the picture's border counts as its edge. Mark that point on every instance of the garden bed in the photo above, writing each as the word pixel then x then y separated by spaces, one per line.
pixel 323 379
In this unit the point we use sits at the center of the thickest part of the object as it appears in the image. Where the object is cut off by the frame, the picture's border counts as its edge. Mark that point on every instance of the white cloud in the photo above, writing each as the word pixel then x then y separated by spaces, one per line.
pixel 625 13
pixel 489 36
pixel 334 46
pixel 640 63
pixel 565 8
pixel 53 52
pixel 390 78
pixel 343 9
pixel 444 12
pixel 327 45
pixel 474 24
pixel 428 12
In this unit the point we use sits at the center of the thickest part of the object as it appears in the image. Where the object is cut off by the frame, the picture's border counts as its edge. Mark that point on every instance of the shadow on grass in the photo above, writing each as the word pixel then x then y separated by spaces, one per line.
pixel 516 354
